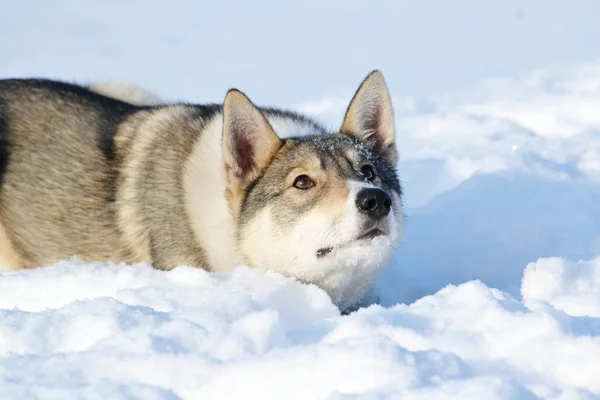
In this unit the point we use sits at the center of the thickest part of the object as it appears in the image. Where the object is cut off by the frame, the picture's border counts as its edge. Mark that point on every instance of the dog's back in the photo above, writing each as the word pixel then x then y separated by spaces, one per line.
pixel 57 172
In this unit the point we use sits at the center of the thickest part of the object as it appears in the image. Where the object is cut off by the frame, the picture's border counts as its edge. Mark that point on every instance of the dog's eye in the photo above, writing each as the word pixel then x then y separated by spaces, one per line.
pixel 303 182
pixel 368 172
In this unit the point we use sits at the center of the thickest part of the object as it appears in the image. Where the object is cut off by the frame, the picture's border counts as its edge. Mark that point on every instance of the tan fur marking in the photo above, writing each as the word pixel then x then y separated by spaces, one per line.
pixel 9 258
pixel 332 202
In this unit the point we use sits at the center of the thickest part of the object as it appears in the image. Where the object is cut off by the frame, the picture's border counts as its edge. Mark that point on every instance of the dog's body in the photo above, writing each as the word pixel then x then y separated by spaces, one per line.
pixel 83 174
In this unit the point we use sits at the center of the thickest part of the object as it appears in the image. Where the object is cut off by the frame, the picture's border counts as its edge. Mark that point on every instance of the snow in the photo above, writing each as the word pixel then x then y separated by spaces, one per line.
pixel 121 331
pixel 571 287
pixel 494 292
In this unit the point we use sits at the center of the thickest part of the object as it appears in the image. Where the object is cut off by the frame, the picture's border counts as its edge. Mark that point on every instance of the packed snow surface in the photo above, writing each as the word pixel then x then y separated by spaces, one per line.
pixel 115 331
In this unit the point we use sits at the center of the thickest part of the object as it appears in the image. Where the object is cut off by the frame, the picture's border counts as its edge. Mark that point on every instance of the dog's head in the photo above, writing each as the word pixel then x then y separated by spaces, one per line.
pixel 325 209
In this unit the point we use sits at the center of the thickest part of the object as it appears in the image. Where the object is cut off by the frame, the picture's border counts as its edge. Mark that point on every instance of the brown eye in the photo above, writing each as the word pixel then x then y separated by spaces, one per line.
pixel 303 182
pixel 368 172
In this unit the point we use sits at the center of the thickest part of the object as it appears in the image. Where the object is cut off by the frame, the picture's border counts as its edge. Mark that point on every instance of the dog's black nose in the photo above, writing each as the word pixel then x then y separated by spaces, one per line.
pixel 374 202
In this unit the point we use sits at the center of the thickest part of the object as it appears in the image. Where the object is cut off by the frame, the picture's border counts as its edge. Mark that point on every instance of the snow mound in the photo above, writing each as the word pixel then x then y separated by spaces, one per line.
pixel 573 287
pixel 116 331
pixel 488 229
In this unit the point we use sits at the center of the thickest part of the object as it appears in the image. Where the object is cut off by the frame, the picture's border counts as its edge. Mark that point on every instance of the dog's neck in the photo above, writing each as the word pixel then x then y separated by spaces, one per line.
pixel 206 205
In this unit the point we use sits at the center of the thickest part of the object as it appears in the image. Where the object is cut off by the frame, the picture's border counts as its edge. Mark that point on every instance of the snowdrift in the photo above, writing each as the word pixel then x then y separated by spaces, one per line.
pixel 115 331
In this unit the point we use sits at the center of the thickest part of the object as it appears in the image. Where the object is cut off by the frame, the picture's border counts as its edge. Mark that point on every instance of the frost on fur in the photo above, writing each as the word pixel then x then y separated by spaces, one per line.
pixel 370 117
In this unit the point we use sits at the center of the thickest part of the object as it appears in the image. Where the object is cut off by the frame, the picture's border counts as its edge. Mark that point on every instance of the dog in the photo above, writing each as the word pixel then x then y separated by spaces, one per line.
pixel 87 172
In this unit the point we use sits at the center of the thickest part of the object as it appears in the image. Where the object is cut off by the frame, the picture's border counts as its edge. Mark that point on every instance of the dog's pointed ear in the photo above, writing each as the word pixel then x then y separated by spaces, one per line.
pixel 248 144
pixel 370 117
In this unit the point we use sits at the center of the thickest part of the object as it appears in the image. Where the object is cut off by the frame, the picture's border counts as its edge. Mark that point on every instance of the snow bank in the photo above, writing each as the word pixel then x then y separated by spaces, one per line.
pixel 498 176
pixel 109 331
pixel 489 228
pixel 573 287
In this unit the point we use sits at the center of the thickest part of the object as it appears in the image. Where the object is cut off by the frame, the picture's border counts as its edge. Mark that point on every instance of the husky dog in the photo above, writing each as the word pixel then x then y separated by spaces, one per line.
pixel 85 174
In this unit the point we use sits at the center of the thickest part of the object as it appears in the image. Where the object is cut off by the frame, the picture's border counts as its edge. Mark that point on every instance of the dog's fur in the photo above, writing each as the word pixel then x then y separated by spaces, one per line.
pixel 126 92
pixel 84 173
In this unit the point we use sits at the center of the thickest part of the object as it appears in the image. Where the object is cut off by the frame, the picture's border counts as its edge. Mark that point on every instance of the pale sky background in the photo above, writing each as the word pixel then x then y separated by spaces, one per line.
pixel 297 51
